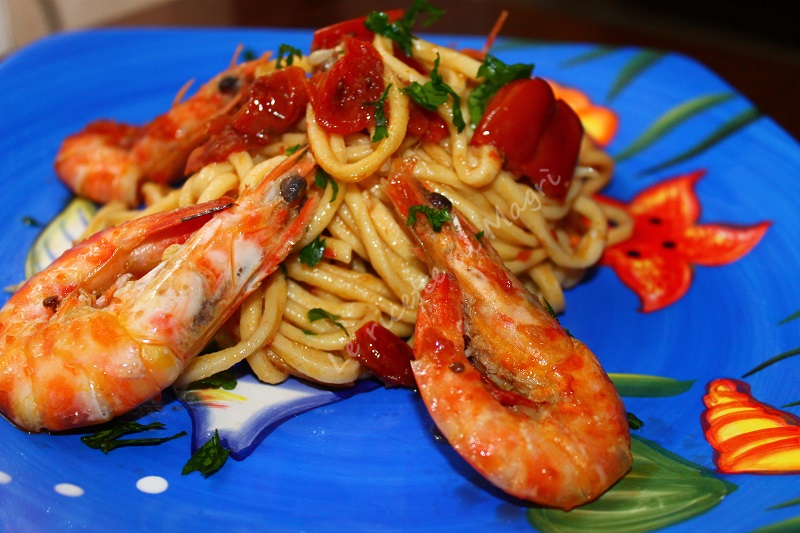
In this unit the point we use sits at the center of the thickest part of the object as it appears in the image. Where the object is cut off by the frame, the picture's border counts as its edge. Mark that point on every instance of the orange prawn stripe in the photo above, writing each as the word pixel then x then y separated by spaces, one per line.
pixel 748 435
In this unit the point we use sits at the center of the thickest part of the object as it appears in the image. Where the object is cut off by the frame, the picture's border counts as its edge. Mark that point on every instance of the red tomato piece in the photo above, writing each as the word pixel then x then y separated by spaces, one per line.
pixel 426 124
pixel 537 134
pixel 385 354
pixel 338 96
pixel 274 102
pixel 330 36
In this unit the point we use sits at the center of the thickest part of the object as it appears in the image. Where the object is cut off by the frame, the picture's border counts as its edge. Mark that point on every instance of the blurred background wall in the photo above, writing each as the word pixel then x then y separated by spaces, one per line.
pixel 23 21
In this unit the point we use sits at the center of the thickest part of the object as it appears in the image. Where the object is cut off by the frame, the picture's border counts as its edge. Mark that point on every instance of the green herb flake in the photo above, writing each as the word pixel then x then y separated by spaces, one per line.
pixel 249 54
pixel 221 380
pixel 286 55
pixel 322 179
pixel 479 235
pixel 108 439
pixel 437 217
pixel 381 131
pixel 312 253
pixel 434 93
pixel 292 149
pixel 400 30
pixel 209 458
pixel 320 314
pixel 495 74
pixel 30 222
pixel 634 422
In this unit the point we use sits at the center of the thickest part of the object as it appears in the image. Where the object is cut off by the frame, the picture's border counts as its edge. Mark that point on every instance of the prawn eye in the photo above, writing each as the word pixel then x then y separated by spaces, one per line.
pixel 229 84
pixel 440 201
pixel 51 302
pixel 292 187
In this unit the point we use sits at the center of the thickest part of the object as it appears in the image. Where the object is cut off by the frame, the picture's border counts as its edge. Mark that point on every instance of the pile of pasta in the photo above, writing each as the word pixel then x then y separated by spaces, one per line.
pixel 370 271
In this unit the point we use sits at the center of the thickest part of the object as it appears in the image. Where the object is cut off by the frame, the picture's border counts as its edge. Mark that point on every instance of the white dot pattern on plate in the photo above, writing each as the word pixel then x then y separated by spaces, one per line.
pixel 152 484
pixel 68 489
pixel 5 479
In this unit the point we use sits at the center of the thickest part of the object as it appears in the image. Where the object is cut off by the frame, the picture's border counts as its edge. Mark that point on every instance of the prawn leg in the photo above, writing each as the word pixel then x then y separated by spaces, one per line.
pixel 527 405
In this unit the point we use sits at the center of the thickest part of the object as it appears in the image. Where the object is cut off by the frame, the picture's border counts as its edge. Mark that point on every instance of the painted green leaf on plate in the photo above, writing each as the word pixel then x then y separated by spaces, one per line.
pixel 662 489
pixel 643 386
pixel 59 235
pixel 640 62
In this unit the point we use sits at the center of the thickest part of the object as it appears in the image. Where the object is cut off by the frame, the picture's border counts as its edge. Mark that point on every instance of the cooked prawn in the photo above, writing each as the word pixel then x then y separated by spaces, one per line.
pixel 84 340
pixel 108 160
pixel 526 404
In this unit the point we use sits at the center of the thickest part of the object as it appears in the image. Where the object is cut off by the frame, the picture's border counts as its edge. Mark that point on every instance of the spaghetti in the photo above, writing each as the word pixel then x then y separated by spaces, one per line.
pixel 369 270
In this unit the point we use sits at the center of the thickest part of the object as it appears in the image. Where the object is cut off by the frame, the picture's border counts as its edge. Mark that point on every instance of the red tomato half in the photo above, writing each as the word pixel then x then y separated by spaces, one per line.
pixel 537 134
pixel 385 354
pixel 339 95
pixel 330 36
pixel 274 102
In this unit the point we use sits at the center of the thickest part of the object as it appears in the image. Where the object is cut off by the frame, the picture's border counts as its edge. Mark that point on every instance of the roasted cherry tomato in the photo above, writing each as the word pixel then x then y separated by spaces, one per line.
pixel 339 95
pixel 539 136
pixel 426 124
pixel 385 354
pixel 274 102
pixel 330 36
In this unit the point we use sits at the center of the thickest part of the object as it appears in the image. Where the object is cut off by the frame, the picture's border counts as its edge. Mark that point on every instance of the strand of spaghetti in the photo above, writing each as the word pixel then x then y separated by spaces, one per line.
pixel 343 309
pixel 549 287
pixel 322 216
pixel 265 369
pixel 379 256
pixel 316 365
pixel 339 229
pixel 620 222
pixel 448 58
pixel 273 300
pixel 391 232
pixel 527 260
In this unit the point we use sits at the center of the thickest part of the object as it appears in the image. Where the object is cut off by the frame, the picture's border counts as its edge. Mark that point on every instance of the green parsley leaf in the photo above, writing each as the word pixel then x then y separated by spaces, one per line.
pixel 437 217
pixel 320 314
pixel 221 380
pixel 249 54
pixel 381 131
pixel 495 74
pixel 434 93
pixel 479 235
pixel 322 179
pixel 400 30
pixel 108 439
pixel 292 149
pixel 286 55
pixel 634 422
pixel 208 458
pixel 312 253
pixel 553 314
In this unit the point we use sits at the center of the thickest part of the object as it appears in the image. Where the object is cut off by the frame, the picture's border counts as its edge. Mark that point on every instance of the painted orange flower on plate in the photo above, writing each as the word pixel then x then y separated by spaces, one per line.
pixel 747 435
pixel 658 260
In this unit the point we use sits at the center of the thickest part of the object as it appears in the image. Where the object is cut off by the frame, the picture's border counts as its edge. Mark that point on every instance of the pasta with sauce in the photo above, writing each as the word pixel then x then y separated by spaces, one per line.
pixel 364 267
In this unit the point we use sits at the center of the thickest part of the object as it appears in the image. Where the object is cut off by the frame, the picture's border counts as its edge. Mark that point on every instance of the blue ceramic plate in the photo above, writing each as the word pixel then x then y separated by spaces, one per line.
pixel 373 459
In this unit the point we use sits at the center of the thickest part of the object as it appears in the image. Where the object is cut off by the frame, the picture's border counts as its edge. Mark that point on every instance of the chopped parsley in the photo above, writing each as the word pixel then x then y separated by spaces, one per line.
pixel 292 149
pixel 320 314
pixel 286 55
pixel 221 380
pixel 322 179
pixel 495 74
pixel 437 217
pixel 312 253
pixel 209 458
pixel 634 422
pixel 479 235
pixel 109 439
pixel 381 131
pixel 400 30
pixel 434 93
pixel 249 54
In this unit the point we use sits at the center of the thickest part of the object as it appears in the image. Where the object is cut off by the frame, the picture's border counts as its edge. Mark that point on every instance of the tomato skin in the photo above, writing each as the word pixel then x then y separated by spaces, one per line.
pixel 272 104
pixel 385 354
pixel 427 124
pixel 330 36
pixel 537 134
pixel 338 95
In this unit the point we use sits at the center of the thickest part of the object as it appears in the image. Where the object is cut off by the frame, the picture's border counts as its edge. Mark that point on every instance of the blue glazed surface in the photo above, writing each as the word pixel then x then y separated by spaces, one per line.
pixel 372 460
